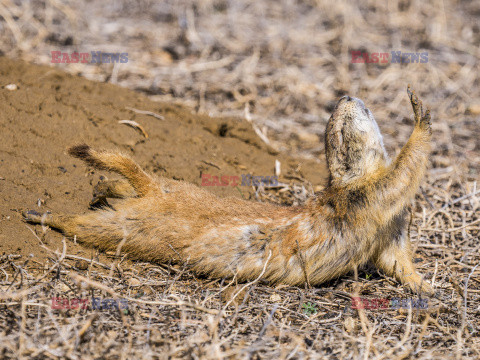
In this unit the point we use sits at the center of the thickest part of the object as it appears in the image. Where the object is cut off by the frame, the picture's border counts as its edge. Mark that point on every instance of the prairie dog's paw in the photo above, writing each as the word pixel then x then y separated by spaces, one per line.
pixel 100 193
pixel 420 286
pixel 425 122
pixel 34 217
pixel 119 189
pixel 422 119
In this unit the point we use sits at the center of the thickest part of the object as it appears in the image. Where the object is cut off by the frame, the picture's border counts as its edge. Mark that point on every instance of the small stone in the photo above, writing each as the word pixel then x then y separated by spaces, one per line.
pixel 11 87
pixel 349 324
pixel 473 109
pixel 234 295
pixel 81 265
pixel 133 282
pixel 275 298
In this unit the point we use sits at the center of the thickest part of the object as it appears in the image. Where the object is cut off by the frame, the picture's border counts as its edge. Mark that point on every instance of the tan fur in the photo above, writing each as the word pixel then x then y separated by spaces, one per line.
pixel 361 216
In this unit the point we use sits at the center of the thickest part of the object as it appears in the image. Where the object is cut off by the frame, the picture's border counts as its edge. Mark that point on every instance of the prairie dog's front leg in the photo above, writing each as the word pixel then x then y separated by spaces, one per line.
pixel 397 260
pixel 397 186
pixel 395 189
pixel 118 189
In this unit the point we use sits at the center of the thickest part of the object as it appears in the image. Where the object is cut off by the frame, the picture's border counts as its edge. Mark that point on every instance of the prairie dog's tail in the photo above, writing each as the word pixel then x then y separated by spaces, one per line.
pixel 115 162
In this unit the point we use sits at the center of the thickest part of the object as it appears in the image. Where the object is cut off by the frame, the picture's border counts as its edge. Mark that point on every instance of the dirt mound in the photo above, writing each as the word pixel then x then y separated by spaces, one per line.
pixel 51 110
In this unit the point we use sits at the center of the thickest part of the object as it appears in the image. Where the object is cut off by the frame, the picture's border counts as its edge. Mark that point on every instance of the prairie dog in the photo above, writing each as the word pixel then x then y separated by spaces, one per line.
pixel 361 216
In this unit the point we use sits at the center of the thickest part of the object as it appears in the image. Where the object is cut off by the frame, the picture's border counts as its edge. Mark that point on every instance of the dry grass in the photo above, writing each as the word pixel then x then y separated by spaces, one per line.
pixel 173 313
pixel 282 65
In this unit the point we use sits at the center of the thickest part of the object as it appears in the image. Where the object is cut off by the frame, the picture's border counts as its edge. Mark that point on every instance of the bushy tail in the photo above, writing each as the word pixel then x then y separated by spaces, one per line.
pixel 115 162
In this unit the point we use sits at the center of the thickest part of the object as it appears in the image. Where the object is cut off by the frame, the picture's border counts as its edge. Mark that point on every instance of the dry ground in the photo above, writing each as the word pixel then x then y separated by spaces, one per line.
pixel 280 65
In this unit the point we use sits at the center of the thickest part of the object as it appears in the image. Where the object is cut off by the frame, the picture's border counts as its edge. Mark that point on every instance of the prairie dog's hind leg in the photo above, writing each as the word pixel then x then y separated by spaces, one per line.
pixel 117 189
pixel 64 223
pixel 99 229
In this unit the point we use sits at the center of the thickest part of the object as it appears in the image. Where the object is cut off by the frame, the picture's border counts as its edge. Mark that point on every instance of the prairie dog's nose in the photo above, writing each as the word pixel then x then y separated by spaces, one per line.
pixel 356 101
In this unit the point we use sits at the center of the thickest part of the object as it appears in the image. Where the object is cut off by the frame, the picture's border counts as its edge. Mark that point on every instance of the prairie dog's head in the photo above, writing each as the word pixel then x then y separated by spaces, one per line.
pixel 353 142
